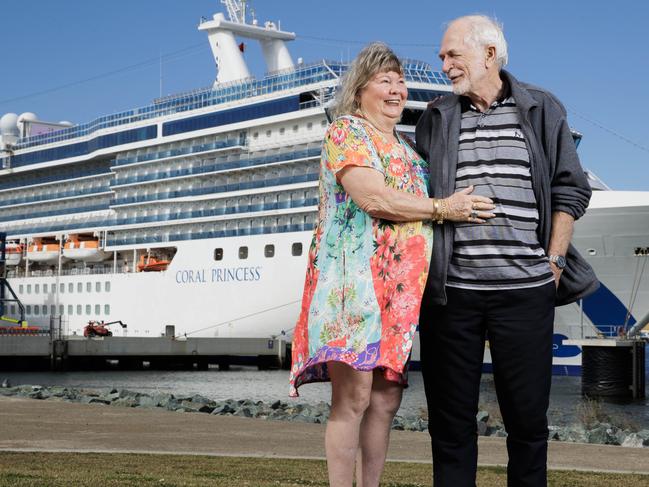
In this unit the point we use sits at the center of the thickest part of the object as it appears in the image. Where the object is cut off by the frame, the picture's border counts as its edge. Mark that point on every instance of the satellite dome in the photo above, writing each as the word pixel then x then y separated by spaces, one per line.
pixel 66 123
pixel 27 117
pixel 9 124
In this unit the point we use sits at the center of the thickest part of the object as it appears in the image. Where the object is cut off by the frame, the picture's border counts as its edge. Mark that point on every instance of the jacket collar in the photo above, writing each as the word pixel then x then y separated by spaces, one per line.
pixel 523 97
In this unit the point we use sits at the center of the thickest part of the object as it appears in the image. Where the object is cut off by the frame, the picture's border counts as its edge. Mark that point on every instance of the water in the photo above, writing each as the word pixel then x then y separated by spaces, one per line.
pixel 268 386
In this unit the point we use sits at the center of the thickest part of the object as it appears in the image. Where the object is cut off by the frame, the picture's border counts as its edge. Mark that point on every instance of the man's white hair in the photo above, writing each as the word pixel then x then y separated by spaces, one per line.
pixel 485 31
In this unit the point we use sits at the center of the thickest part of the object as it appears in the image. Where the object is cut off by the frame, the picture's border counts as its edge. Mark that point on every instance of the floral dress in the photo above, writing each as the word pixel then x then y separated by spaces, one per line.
pixel 365 276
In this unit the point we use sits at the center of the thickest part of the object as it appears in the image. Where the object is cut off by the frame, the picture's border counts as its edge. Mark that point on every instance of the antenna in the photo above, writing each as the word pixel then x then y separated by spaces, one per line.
pixel 236 10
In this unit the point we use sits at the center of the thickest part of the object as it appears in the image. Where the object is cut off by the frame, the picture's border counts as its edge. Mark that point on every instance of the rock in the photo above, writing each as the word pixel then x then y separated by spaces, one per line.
pixel 5 384
pixel 277 405
pixel 601 434
pixel 126 402
pixel 482 416
pixel 39 394
pixel 93 400
pixel 245 411
pixel 644 435
pixel 632 441
pixel 398 423
pixel 482 428
pixel 223 408
pixel 554 433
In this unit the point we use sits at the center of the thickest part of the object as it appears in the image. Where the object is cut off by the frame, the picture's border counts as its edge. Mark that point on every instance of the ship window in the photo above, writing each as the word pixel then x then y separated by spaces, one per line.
pixel 106 309
pixel 269 133
pixel 70 287
pixel 29 288
pixel 295 127
pixel 107 286
pixel 52 310
pixel 20 289
pixel 282 130
pixel 62 288
pixel 44 309
pixel 70 309
pixel 79 287
pixel 88 309
pixel 28 309
pixel 37 310
pixel 243 252
pixel 78 309
pixel 37 288
pixel 309 125
pixel 61 310
pixel 269 251
pixel 97 309
pixel 89 287
pixel 255 135
pixel 13 309
pixel 218 254
pixel 98 286
pixel 323 123
pixel 296 249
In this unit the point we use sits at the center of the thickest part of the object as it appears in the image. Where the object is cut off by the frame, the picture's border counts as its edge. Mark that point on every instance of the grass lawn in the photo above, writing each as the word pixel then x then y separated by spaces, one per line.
pixel 123 470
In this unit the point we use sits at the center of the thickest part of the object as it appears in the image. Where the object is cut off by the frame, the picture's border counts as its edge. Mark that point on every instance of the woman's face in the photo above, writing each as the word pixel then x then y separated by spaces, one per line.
pixel 384 97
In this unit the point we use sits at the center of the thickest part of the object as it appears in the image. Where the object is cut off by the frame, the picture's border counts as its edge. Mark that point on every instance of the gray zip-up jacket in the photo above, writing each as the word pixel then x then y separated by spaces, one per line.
pixel 558 181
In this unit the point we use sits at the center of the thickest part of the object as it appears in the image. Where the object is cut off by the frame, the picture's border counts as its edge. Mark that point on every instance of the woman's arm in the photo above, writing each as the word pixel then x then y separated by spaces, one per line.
pixel 367 188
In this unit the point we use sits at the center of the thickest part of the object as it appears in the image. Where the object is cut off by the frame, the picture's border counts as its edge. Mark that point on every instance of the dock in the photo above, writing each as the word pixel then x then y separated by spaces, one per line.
pixel 42 352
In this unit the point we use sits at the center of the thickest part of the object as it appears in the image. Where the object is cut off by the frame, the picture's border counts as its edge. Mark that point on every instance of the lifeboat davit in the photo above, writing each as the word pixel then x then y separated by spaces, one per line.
pixel 85 248
pixel 13 253
pixel 148 263
pixel 44 250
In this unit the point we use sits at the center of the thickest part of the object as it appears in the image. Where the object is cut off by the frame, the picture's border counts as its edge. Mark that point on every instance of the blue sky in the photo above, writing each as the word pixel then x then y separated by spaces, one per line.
pixel 78 59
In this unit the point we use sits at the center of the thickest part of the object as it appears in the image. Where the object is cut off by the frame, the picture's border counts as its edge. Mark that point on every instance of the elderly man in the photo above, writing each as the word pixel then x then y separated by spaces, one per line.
pixel 499 280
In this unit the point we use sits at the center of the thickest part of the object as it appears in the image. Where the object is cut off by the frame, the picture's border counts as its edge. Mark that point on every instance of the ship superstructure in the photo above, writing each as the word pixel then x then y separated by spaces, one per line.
pixel 197 210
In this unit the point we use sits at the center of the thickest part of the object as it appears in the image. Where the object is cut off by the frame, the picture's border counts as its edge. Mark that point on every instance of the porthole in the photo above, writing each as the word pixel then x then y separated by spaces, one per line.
pixel 296 249
pixel 269 251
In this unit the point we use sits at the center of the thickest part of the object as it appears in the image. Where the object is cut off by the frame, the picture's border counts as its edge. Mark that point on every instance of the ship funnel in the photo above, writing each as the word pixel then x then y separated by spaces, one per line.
pixel 227 52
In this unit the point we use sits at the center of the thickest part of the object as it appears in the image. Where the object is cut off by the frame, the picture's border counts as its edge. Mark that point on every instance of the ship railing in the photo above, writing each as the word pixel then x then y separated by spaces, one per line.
pixel 116 221
pixel 181 151
pixel 19 182
pixel 54 196
pixel 302 75
pixel 218 167
pixel 61 211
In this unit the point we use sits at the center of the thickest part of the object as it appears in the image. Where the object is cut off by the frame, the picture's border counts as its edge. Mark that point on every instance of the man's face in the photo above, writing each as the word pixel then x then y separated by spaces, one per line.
pixel 463 63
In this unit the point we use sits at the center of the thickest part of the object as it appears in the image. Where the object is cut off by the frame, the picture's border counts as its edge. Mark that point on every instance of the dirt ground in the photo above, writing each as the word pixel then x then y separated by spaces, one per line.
pixel 38 425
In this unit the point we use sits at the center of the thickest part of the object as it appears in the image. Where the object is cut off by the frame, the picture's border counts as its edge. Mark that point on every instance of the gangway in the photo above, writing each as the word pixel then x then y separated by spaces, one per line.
pixel 7 296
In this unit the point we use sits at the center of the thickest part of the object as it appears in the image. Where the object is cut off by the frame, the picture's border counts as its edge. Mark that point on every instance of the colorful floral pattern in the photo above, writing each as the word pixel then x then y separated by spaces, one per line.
pixel 365 276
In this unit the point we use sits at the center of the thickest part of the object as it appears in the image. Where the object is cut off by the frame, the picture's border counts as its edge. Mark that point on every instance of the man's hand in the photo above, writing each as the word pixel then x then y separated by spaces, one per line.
pixel 557 273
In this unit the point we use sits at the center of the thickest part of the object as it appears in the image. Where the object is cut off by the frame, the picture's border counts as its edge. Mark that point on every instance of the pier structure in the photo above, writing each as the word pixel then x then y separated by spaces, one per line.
pixel 49 352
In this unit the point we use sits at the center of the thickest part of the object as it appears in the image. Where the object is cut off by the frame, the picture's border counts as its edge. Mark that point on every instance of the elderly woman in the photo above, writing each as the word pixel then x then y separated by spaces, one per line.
pixel 368 265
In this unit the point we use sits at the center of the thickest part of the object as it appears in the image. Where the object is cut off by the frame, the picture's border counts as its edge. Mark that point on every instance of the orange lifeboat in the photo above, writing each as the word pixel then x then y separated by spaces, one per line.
pixel 85 248
pixel 148 263
pixel 13 253
pixel 44 250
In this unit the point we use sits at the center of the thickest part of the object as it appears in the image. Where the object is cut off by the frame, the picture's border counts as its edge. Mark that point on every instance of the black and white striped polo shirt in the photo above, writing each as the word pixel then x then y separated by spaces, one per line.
pixel 505 252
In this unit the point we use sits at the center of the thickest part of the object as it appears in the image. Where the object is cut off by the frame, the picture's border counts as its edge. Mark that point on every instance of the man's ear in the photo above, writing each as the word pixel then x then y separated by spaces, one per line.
pixel 490 55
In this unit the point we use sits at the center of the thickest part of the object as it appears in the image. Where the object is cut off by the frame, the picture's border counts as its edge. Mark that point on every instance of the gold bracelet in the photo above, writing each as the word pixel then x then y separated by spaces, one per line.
pixel 443 212
pixel 437 210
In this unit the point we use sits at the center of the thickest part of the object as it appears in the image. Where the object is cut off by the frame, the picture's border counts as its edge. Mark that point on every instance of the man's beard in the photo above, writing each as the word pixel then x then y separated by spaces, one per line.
pixel 461 87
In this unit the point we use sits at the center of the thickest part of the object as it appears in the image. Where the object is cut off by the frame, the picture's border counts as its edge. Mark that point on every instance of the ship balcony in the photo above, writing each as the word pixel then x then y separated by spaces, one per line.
pixel 228 165
pixel 171 153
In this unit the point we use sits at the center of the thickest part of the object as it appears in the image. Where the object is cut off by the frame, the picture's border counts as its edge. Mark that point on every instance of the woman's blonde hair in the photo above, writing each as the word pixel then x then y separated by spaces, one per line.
pixel 375 58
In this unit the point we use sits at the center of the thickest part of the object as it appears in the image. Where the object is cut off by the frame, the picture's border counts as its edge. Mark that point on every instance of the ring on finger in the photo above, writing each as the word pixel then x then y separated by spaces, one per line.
pixel 474 214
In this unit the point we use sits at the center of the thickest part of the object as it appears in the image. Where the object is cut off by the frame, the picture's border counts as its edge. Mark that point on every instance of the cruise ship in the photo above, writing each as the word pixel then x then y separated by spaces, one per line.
pixel 197 210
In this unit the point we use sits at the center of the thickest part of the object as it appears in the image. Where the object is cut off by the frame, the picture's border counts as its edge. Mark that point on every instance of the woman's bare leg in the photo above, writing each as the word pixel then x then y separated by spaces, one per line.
pixel 385 399
pixel 350 396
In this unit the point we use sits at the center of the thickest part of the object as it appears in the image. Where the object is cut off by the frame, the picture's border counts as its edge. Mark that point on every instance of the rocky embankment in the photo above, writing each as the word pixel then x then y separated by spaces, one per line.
pixel 597 432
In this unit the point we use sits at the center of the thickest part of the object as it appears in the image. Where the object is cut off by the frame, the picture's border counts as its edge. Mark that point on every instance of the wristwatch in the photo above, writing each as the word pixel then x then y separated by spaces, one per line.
pixel 558 260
